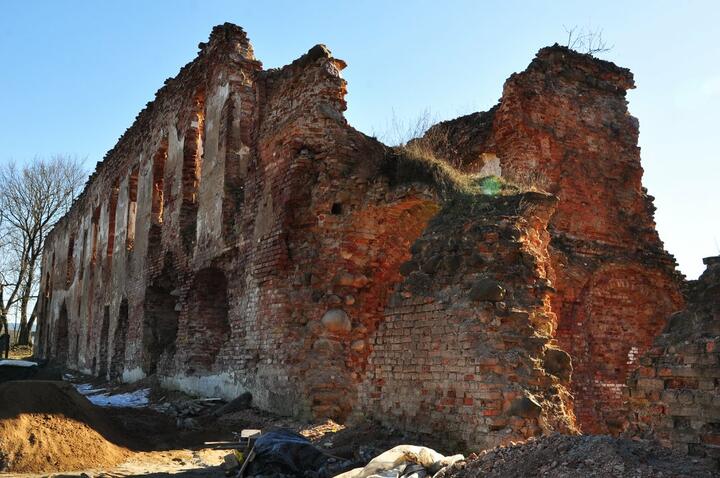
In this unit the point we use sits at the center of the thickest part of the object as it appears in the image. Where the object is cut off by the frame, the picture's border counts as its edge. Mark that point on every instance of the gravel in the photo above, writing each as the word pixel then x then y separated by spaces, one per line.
pixel 563 456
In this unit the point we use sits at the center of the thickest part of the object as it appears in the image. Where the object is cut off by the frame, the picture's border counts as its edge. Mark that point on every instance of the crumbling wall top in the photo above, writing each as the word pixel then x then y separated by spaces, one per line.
pixel 563 62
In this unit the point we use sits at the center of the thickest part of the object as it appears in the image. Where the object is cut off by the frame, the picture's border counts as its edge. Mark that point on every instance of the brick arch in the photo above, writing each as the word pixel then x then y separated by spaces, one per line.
pixel 621 309
pixel 191 166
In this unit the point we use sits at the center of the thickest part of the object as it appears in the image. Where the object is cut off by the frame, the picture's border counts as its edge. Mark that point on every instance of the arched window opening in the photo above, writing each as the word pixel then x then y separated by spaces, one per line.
pixel 95 232
pixel 112 212
pixel 70 262
pixel 191 168
pixel 104 338
pixel 158 199
pixel 131 209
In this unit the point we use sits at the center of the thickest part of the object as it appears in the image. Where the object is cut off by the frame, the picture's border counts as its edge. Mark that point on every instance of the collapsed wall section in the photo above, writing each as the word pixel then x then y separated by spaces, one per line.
pixel 562 125
pixel 674 396
pixel 465 349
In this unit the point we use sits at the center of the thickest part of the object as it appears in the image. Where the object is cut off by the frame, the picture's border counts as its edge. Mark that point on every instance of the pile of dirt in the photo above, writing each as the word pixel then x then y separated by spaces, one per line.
pixel 49 426
pixel 562 456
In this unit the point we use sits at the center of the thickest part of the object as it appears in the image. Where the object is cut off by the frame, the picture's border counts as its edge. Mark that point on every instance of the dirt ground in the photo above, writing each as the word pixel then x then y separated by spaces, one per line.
pixel 178 435
pixel 562 456
pixel 47 425
pixel 175 435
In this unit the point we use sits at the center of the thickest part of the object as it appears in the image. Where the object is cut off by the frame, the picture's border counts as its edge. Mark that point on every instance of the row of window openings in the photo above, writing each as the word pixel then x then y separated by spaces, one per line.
pixel 192 157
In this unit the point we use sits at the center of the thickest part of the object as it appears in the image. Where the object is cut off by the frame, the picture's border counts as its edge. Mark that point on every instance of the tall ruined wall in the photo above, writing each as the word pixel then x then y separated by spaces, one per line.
pixel 242 236
pixel 562 125
pixel 113 266
pixel 675 394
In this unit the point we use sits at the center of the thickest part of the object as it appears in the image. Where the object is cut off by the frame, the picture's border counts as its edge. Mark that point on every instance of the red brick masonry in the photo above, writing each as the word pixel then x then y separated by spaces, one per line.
pixel 242 236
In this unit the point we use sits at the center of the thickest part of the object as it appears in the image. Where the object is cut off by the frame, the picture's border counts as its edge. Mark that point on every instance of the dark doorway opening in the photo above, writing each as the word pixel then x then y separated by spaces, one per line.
pixel 62 342
pixel 208 323
pixel 104 339
pixel 160 323
pixel 117 362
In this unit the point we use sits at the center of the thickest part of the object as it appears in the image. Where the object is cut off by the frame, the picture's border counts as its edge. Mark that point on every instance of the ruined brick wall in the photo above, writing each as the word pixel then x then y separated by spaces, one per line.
pixel 675 394
pixel 562 125
pixel 242 236
pixel 466 343
pixel 215 243
pixel 120 265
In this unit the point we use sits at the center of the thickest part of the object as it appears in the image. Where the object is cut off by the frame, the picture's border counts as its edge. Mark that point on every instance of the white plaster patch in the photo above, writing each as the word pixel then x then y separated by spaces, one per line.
pixel 632 355
pixel 221 385
pixel 130 376
pixel 212 175
pixel 491 165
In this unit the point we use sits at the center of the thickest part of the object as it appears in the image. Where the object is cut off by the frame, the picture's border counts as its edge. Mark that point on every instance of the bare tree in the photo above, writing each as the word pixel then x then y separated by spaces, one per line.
pixel 586 40
pixel 32 198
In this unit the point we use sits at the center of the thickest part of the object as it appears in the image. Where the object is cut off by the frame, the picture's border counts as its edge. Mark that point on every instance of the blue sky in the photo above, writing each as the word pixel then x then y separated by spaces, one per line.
pixel 75 74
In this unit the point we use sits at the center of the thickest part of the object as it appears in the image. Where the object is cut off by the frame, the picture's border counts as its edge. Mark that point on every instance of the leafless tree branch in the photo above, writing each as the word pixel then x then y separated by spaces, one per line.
pixel 32 199
pixel 586 40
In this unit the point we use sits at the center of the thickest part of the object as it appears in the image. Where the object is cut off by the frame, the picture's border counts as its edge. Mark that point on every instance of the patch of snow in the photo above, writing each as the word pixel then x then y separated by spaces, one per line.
pixel 18 363
pixel 136 399
pixel 87 389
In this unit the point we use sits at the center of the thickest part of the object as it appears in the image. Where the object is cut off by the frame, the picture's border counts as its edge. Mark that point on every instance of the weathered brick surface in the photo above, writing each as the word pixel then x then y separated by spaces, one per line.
pixel 464 341
pixel 242 208
pixel 563 125
pixel 675 394
pixel 242 236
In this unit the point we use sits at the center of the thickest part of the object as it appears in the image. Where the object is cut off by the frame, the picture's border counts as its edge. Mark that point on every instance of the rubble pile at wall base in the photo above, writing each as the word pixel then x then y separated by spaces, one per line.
pixel 581 456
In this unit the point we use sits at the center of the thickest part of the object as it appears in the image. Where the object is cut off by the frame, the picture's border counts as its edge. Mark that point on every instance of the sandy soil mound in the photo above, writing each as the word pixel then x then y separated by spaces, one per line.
pixel 48 426
pixel 562 456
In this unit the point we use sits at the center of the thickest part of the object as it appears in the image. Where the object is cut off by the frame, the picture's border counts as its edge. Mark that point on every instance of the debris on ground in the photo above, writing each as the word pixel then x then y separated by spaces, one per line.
pixel 194 407
pixel 404 461
pixel 48 426
pixel 242 402
pixel 563 456
pixel 283 452
pixel 136 399
pixel 204 437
